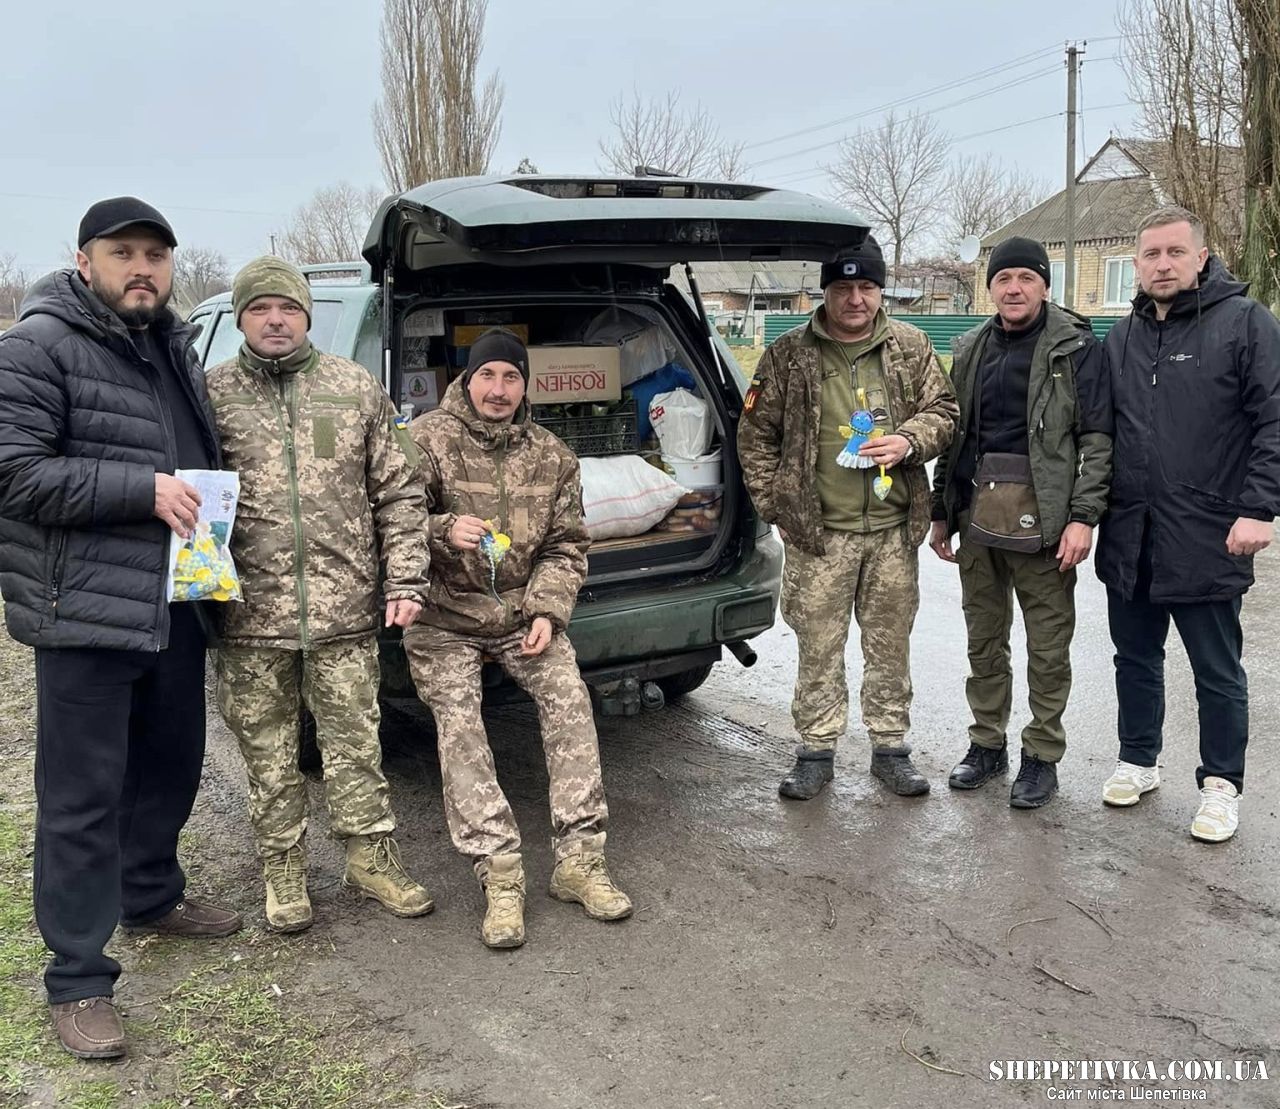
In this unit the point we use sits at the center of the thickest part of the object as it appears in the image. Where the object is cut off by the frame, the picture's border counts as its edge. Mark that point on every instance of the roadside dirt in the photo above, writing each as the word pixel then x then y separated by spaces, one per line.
pixel 849 951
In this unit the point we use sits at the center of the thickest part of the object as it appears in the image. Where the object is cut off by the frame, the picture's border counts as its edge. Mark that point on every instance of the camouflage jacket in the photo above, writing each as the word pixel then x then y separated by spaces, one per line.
pixel 782 413
pixel 527 482
pixel 329 485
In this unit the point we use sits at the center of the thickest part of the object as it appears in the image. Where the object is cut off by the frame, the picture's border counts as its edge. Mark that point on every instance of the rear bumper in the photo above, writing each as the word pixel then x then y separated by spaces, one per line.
pixel 643 631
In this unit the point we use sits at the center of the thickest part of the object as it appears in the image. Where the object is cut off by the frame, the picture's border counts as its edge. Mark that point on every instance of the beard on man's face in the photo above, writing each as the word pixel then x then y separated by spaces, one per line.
pixel 135 317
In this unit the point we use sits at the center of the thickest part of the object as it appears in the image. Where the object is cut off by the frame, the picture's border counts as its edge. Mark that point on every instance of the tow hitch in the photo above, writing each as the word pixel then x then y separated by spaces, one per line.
pixel 627 696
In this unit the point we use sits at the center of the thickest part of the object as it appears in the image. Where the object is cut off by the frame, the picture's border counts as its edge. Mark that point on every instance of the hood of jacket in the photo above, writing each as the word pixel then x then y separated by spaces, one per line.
pixel 490 433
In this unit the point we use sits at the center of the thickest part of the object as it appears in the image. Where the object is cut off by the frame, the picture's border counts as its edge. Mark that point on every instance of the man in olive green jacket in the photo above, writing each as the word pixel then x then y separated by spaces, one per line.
pixel 851 513
pixel 329 488
pixel 1036 378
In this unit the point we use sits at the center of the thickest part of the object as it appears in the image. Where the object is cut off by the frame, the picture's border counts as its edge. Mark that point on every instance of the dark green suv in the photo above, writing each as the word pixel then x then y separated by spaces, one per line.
pixel 557 256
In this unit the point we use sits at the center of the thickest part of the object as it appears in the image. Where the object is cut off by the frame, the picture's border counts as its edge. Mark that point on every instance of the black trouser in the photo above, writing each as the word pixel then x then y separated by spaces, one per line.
pixel 119 746
pixel 1211 633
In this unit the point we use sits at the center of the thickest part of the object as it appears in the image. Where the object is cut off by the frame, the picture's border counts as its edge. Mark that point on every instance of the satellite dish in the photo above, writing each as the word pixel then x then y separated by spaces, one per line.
pixel 969 249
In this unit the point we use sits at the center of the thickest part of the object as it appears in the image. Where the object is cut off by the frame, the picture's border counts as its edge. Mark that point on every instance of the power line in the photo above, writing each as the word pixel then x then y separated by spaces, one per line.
pixel 933 111
pixel 947 87
pixel 959 82
pixel 795 176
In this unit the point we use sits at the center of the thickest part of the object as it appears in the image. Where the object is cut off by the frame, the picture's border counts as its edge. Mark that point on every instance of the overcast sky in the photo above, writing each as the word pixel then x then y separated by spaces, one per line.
pixel 228 115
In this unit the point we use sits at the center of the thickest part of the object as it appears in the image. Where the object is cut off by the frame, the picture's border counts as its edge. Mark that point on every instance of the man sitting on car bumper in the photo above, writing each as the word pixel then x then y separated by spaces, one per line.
pixel 494 476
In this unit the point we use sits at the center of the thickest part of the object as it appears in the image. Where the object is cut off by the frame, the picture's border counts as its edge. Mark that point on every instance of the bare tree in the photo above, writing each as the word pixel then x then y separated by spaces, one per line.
pixel 659 134
pixel 14 284
pixel 896 175
pixel 432 120
pixel 1185 65
pixel 983 195
pixel 198 273
pixel 1261 254
pixel 331 226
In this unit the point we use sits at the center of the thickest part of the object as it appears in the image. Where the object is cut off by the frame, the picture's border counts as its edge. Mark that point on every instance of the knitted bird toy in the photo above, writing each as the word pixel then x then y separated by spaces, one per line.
pixel 862 429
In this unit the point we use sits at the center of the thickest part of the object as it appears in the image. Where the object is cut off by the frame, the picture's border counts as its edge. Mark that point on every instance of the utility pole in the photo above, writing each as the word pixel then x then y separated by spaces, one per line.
pixel 273 244
pixel 1069 256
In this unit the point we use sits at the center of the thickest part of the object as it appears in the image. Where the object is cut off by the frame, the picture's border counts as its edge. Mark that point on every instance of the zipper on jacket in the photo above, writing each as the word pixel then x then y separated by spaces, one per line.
pixel 171 462
pixel 55 584
pixel 502 520
pixel 287 387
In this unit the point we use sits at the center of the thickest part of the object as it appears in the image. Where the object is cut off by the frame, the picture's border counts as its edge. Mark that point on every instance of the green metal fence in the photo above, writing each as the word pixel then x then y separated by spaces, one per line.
pixel 941 329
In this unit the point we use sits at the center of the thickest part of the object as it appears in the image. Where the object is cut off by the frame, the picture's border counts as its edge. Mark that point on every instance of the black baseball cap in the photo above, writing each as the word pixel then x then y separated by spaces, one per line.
pixel 109 216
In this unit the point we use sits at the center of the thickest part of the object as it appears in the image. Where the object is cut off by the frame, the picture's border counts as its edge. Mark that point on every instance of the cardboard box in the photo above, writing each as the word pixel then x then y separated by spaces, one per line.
pixel 464 334
pixel 424 389
pixel 559 375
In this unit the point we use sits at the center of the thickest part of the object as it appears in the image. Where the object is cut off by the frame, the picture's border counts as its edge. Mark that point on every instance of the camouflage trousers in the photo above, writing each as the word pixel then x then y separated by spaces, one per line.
pixel 875 578
pixel 446 670
pixel 261 691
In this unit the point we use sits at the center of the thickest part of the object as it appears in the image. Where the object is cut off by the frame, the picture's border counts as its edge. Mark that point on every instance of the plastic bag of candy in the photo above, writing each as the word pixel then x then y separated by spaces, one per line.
pixel 205 570
pixel 200 566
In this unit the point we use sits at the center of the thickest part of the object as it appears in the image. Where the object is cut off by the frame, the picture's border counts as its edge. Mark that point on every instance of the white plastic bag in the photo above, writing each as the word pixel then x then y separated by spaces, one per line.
pixel 624 495
pixel 201 567
pixel 642 344
pixel 683 422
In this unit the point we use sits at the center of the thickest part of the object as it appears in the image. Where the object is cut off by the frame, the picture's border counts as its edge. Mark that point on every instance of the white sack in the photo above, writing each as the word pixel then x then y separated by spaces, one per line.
pixel 624 495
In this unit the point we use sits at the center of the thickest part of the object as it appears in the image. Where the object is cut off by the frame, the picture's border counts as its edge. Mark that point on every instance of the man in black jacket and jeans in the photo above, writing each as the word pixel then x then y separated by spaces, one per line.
pixel 1195 373
pixel 100 401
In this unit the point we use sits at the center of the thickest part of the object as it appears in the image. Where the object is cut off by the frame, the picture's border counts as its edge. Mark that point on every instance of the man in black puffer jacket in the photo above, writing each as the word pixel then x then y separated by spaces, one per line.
pixel 100 401
pixel 1195 375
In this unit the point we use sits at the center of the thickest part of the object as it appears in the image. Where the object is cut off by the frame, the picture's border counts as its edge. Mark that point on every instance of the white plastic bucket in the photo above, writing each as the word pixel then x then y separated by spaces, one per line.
pixel 695 473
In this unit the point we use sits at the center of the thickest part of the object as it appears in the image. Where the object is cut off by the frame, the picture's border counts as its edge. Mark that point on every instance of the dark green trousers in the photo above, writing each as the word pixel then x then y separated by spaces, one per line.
pixel 990 579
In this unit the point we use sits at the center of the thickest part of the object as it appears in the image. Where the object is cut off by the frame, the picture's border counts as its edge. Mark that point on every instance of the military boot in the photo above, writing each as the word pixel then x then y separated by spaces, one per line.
pixel 374 870
pixel 288 906
pixel 812 771
pixel 895 769
pixel 584 878
pixel 502 877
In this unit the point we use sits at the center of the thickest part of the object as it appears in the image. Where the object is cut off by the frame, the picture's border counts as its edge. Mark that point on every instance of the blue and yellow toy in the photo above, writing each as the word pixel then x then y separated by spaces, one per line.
pixel 494 546
pixel 862 429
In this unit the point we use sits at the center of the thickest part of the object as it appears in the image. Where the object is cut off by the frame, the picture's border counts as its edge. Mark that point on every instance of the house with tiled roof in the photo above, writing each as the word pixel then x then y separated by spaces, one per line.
pixel 1119 185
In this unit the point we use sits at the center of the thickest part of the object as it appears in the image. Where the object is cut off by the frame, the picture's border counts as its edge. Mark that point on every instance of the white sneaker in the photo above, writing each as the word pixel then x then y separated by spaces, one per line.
pixel 1219 813
pixel 1127 785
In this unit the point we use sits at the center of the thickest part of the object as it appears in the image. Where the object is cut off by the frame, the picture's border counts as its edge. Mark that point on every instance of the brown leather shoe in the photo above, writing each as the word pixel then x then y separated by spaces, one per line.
pixel 89 1029
pixel 194 920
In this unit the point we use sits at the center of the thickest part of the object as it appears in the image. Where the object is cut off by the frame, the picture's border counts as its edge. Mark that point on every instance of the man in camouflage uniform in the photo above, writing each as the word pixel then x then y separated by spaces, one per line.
pixel 490 470
pixel 328 485
pixel 850 536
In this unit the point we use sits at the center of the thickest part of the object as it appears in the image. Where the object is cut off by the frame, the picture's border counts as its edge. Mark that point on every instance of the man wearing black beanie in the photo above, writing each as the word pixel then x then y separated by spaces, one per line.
pixel 509 554
pixel 1035 430
pixel 851 511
